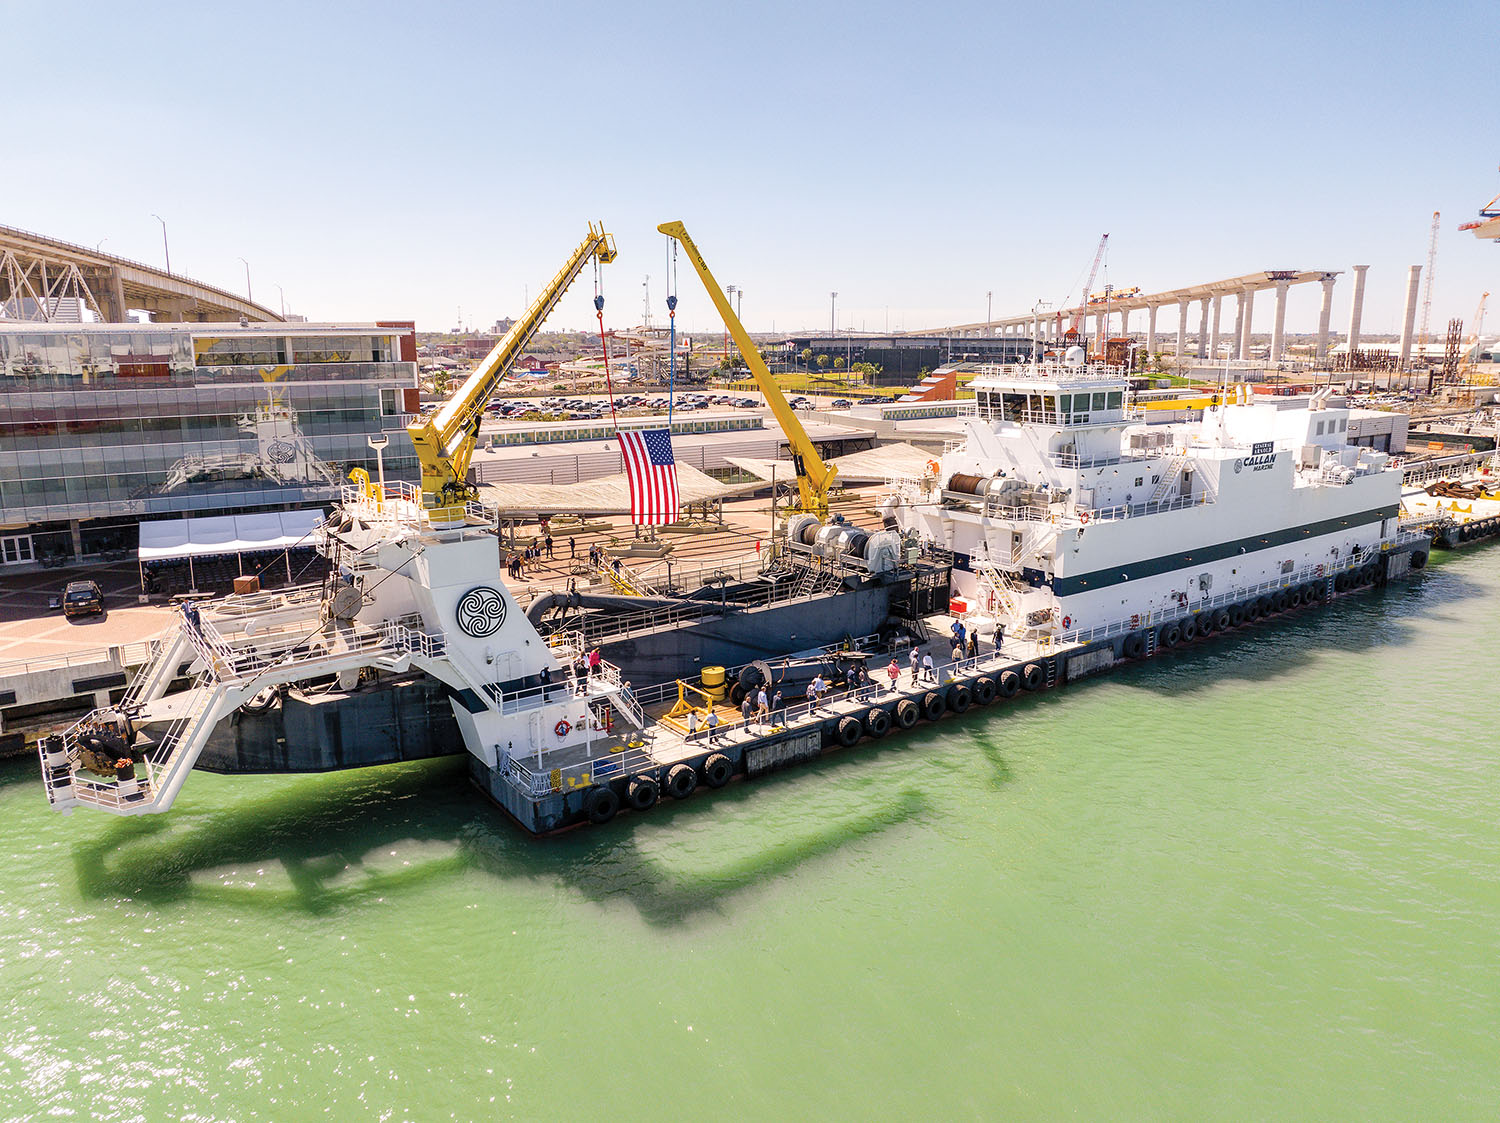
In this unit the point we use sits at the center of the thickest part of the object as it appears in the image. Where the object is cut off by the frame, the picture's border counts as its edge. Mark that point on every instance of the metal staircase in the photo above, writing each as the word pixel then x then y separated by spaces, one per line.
pixel 1169 479
pixel 623 580
pixel 997 588
pixel 1036 540
pixel 228 674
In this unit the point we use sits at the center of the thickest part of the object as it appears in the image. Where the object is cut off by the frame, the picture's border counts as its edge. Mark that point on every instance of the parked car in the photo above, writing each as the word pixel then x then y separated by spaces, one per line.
pixel 842 403
pixel 83 598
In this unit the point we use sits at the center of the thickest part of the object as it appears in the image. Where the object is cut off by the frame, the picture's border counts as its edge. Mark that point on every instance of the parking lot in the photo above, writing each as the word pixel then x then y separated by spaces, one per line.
pixel 593 407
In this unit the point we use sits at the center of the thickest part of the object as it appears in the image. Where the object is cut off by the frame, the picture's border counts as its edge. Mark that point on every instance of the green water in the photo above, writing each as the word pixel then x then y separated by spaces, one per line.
pixel 1258 879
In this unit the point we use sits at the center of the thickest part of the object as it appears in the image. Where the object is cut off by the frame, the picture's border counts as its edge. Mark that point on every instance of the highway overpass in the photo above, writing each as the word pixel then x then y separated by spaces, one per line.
pixel 41 278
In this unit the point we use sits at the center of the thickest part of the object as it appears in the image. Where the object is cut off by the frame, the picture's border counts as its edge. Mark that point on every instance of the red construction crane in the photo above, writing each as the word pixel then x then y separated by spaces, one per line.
pixel 1088 287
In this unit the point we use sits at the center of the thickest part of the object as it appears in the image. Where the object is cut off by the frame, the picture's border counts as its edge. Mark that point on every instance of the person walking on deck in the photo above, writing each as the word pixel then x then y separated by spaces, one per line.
pixel 927 667
pixel 916 664
pixel 747 707
pixel 713 725
pixel 894 670
pixel 762 708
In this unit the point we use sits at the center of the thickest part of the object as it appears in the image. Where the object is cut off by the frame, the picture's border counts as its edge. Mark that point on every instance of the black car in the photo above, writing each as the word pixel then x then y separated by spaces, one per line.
pixel 83 598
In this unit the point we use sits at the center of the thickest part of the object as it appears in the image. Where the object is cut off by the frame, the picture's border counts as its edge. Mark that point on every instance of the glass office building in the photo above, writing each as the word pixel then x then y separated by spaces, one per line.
pixel 104 425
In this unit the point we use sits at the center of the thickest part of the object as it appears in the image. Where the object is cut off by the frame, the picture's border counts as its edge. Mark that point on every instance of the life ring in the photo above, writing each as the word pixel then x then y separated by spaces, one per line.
pixel 562 728
pixel 1083 518
pixel 1067 621
pixel 933 468
pixel 1318 572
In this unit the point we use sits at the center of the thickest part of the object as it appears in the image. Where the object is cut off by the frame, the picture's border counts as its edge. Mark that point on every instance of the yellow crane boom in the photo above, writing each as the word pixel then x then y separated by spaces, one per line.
pixel 445 435
pixel 814 477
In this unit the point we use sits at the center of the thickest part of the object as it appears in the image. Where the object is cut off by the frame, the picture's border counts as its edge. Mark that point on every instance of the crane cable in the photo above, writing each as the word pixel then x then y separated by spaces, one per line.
pixel 672 332
pixel 604 343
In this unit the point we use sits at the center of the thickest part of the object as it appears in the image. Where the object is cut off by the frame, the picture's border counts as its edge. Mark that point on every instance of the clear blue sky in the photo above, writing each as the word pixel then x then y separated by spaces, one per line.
pixel 401 160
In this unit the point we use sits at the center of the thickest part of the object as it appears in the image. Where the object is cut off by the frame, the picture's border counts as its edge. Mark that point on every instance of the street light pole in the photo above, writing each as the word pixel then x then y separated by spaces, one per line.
pixel 283 301
pixel 378 441
pixel 99 243
pixel 250 296
pixel 989 309
pixel 832 304
pixel 166 251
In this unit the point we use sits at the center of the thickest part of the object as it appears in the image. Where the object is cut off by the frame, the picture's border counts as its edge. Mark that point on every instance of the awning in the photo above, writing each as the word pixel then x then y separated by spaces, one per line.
pixel 606 495
pixel 226 534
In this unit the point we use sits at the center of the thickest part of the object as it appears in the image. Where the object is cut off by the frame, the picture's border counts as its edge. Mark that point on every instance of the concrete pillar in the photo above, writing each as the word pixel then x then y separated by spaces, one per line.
pixel 1239 321
pixel 1203 327
pixel 1409 322
pixel 1151 331
pixel 75 531
pixel 1182 307
pixel 1247 323
pixel 1278 330
pixel 1325 315
pixel 1213 330
pixel 1124 321
pixel 1100 328
pixel 1356 307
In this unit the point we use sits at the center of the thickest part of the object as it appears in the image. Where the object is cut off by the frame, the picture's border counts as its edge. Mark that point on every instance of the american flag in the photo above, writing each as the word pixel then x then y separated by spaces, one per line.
pixel 653 475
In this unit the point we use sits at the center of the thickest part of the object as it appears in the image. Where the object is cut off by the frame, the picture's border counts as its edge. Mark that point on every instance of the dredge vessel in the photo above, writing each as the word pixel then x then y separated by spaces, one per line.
pixel 1079 536
pixel 1068 518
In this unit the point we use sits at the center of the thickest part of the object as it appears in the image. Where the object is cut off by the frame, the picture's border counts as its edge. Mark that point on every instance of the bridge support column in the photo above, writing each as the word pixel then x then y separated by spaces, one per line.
pixel 1409 323
pixel 1247 324
pixel 1278 329
pixel 1182 309
pixel 1203 315
pixel 1325 315
pixel 1213 331
pixel 1356 307
pixel 1151 331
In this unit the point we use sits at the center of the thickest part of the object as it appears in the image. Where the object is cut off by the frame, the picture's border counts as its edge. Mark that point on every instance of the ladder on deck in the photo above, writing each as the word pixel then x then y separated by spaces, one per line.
pixel 624 580
pixel 999 588
pixel 1169 479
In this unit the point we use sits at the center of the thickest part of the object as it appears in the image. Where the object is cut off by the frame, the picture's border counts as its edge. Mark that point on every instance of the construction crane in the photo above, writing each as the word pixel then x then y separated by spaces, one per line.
pixel 1427 292
pixel 814 477
pixel 1087 287
pixel 1471 344
pixel 445 435
pixel 1488 223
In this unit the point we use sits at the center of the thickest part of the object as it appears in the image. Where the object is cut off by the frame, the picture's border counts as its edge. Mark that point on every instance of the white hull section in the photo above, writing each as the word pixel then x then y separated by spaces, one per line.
pixel 1065 516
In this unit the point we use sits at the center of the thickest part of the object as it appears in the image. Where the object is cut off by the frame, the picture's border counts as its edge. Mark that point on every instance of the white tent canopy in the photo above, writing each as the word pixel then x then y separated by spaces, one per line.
pixel 226 534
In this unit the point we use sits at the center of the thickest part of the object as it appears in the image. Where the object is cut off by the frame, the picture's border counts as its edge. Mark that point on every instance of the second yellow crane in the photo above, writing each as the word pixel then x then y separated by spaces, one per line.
pixel 814 476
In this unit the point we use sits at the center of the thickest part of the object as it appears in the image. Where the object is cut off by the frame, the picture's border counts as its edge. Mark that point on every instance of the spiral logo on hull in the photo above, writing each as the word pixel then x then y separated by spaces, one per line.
pixel 281 453
pixel 481 611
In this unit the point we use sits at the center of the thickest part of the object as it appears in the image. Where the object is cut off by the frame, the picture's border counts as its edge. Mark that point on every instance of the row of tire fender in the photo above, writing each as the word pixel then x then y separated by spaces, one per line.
pixel 642 792
pixel 1470 531
pixel 957 698
pixel 1206 623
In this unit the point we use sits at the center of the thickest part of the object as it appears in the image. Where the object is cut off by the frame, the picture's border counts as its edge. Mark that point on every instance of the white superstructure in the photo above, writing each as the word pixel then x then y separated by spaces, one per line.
pixel 408 592
pixel 1068 517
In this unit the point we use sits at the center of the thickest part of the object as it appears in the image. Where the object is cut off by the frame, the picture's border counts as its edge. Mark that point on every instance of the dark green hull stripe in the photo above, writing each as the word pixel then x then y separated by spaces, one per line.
pixel 1202 555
